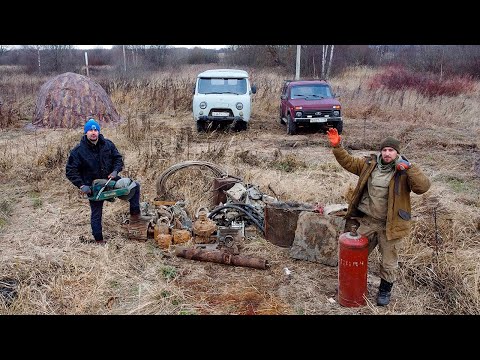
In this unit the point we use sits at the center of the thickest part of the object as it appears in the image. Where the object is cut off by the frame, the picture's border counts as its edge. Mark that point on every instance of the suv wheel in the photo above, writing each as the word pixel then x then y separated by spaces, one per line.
pixel 339 126
pixel 291 126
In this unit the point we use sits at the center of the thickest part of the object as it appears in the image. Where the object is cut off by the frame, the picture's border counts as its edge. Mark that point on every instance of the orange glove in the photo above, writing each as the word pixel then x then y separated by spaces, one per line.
pixel 402 164
pixel 333 136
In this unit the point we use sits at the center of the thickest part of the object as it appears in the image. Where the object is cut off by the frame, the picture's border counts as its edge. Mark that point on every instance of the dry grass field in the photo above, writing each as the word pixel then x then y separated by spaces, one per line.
pixel 43 218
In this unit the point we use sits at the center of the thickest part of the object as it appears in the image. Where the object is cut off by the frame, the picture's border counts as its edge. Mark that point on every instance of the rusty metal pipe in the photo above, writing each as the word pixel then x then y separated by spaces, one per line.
pixel 222 257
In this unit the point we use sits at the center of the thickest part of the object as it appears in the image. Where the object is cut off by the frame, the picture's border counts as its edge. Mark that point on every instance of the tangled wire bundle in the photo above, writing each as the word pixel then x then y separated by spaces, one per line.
pixel 162 180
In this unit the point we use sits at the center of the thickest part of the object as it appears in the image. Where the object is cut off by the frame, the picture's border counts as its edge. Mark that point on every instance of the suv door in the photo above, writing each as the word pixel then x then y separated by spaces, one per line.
pixel 283 101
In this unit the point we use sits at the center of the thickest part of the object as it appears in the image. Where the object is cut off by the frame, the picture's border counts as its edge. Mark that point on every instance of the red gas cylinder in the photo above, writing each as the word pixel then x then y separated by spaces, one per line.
pixel 352 268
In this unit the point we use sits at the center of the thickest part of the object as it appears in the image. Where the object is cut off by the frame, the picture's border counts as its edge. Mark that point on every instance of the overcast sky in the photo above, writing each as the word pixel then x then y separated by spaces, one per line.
pixel 87 47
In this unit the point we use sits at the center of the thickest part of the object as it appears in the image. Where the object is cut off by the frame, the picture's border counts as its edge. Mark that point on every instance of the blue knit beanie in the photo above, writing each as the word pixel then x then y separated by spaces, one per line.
pixel 91 125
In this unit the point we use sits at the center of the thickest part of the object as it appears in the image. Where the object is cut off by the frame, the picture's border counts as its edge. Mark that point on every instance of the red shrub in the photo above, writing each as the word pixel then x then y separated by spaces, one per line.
pixel 428 84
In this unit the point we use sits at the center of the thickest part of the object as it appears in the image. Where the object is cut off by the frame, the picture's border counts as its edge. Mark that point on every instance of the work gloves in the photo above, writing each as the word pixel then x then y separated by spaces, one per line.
pixel 333 136
pixel 402 164
pixel 113 175
pixel 85 189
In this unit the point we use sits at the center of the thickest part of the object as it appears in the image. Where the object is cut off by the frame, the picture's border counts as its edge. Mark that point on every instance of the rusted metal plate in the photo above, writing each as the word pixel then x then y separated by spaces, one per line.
pixel 219 186
pixel 137 231
pixel 281 222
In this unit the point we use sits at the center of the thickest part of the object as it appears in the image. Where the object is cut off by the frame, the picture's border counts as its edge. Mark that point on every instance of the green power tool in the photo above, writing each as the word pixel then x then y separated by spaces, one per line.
pixel 105 190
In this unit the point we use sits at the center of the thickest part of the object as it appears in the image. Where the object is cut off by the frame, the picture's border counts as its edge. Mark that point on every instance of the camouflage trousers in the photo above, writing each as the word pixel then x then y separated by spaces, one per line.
pixel 375 231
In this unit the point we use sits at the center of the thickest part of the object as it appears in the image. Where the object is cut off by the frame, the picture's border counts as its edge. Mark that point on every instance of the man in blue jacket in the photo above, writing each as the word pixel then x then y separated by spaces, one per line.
pixel 98 158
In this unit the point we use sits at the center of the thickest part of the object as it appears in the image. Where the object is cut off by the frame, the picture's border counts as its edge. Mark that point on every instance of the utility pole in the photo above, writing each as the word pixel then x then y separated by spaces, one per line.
pixel 86 63
pixel 297 66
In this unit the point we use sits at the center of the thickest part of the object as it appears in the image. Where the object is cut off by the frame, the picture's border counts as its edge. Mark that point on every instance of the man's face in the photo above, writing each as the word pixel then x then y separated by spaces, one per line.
pixel 92 135
pixel 389 154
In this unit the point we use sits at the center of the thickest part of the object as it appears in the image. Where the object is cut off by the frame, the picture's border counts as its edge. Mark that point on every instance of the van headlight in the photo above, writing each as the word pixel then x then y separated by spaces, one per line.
pixel 336 113
pixel 203 105
pixel 239 106
pixel 298 114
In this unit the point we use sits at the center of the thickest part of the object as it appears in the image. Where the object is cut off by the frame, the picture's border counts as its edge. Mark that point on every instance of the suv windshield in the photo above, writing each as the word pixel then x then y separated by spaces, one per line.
pixel 310 91
pixel 222 86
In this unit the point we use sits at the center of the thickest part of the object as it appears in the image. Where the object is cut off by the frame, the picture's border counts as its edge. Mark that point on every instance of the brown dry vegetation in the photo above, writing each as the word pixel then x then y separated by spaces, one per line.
pixel 42 217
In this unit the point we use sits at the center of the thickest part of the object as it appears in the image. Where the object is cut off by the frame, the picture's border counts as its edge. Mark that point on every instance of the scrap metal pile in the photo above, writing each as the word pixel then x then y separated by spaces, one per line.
pixel 214 235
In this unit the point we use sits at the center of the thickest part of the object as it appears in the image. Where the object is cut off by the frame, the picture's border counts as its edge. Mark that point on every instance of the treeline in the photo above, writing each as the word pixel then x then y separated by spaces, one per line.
pixel 317 61
pixel 448 60
pixel 61 58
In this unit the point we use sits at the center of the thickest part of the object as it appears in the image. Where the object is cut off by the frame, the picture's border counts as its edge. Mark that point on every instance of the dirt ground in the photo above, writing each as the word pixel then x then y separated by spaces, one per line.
pixel 42 248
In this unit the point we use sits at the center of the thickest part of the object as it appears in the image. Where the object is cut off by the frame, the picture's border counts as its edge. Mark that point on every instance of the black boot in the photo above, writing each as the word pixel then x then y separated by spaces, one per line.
pixel 99 239
pixel 384 292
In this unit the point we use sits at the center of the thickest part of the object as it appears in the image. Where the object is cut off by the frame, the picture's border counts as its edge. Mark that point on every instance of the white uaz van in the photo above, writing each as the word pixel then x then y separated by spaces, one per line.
pixel 222 96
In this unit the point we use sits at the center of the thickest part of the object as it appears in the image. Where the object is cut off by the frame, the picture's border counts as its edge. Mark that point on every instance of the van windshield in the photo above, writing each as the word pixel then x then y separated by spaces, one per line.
pixel 222 86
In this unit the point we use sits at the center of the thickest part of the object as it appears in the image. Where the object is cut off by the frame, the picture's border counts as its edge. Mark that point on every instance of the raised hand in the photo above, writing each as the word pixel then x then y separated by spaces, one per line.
pixel 333 136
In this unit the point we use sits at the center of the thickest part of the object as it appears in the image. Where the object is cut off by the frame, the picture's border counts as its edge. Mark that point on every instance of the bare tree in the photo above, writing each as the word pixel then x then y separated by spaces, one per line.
pixel 4 49
pixel 262 55
pixel 199 55
pixel 324 59
pixel 51 58
pixel 156 55
pixel 330 61
pixel 137 54
pixel 274 51
pixel 325 55
pixel 33 59
pixel 59 57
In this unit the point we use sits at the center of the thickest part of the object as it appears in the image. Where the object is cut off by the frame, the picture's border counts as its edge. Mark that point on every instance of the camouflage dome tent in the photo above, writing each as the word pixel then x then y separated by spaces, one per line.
pixel 69 100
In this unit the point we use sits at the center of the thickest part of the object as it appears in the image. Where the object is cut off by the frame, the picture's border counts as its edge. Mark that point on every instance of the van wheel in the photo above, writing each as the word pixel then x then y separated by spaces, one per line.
pixel 291 126
pixel 200 126
pixel 241 126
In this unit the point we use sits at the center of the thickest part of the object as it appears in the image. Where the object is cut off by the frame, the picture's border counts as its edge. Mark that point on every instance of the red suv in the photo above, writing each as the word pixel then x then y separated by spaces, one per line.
pixel 309 103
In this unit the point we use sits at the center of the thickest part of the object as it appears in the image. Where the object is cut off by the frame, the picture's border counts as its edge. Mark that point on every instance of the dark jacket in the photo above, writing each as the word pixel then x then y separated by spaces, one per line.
pixel 402 183
pixel 88 162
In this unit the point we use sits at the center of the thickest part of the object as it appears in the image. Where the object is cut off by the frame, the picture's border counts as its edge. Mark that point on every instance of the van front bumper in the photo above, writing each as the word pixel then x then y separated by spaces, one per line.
pixel 220 118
